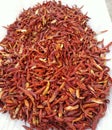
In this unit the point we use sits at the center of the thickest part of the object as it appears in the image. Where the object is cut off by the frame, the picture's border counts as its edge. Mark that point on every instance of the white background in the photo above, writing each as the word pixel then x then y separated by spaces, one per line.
pixel 100 20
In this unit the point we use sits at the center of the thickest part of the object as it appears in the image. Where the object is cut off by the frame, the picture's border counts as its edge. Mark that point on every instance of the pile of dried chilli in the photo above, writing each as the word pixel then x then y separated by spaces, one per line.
pixel 52 72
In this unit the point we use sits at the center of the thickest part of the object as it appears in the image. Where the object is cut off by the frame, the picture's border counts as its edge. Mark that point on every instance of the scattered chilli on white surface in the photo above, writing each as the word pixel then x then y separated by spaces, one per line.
pixel 100 20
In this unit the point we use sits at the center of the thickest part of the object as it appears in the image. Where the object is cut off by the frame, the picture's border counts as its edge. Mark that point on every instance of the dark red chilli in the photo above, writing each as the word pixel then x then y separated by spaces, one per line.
pixel 52 72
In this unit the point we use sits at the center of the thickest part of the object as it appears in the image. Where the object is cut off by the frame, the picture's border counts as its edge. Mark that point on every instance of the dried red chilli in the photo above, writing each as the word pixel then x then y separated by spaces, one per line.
pixel 52 72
